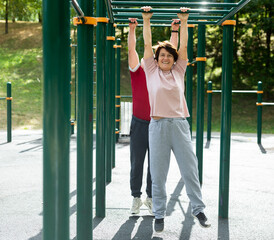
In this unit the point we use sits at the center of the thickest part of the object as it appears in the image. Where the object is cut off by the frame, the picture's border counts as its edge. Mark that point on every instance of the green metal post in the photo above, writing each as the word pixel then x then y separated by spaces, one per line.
pixel 109 76
pixel 72 123
pixel 189 75
pixel 209 110
pixel 75 84
pixel 70 90
pixel 118 98
pixel 227 61
pixel 85 125
pixel 200 99
pixel 100 111
pixel 113 81
pixel 259 112
pixel 9 122
pixel 56 119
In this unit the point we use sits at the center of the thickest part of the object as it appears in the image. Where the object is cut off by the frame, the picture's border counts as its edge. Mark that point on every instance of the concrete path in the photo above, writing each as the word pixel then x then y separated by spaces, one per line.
pixel 251 198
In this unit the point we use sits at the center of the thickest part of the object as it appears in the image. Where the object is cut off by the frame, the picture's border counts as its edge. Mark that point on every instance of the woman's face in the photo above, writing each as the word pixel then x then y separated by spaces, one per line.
pixel 165 60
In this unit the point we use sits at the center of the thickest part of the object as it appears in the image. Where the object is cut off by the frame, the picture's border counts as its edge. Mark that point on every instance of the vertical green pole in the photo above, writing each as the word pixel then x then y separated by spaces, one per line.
pixel 70 90
pixel 56 119
pixel 100 111
pixel 259 112
pixel 109 76
pixel 118 96
pixel 200 99
pixel 9 122
pixel 85 125
pixel 227 61
pixel 75 83
pixel 209 110
pixel 113 81
pixel 189 74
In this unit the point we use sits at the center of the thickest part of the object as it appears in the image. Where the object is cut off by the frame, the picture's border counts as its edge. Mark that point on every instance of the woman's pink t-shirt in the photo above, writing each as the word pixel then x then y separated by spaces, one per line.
pixel 166 89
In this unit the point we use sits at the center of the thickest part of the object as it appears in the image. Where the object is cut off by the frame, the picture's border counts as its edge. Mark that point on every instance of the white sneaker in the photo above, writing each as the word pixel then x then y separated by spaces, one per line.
pixel 136 204
pixel 148 203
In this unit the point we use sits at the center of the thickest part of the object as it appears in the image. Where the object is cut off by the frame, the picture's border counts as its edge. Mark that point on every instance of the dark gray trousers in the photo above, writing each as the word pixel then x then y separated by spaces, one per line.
pixel 138 149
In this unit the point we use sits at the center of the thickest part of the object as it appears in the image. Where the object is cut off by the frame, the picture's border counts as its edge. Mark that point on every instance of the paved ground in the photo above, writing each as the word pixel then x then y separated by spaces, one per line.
pixel 251 210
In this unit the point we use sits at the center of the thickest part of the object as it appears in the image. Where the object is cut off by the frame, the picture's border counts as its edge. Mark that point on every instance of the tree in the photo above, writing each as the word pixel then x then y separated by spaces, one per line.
pixel 6 17
pixel 253 53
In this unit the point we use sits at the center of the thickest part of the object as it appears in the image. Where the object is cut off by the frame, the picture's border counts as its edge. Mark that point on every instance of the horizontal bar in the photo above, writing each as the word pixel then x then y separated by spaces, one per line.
pixel 237 91
pixel 206 11
pixel 233 11
pixel 109 11
pixel 2 98
pixel 171 4
pixel 165 24
pixel 77 8
pixel 161 21
pixel 165 16
pixel 267 104
pixel 244 91
pixel 126 96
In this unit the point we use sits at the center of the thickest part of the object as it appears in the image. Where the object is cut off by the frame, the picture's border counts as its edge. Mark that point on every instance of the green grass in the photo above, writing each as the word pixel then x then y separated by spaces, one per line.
pixel 243 114
pixel 21 64
pixel 22 67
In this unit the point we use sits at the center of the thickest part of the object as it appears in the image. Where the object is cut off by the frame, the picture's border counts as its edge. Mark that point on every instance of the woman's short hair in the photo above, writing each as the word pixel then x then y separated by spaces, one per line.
pixel 167 46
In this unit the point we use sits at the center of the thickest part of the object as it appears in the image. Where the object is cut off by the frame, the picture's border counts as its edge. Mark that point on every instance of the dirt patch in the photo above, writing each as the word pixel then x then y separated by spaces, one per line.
pixel 22 35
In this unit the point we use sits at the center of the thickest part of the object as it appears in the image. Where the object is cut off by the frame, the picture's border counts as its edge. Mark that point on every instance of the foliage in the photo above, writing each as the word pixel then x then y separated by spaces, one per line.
pixel 254 56
pixel 22 10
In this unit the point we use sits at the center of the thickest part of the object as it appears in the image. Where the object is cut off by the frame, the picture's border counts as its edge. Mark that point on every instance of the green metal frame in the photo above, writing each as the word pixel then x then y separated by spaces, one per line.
pixel 56 119
pixel 200 100
pixel 109 47
pixel 117 86
pixel 9 118
pixel 112 100
pixel 56 55
pixel 85 125
pixel 227 63
pixel 119 10
pixel 259 113
pixel 101 112
pixel 189 76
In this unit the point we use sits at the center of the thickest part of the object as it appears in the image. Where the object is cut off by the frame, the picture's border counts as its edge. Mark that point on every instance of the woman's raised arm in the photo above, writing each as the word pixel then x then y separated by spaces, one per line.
pixel 183 34
pixel 148 52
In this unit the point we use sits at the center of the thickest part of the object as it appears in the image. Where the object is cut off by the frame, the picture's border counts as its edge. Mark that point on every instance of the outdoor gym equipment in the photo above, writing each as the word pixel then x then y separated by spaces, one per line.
pixel 56 121
pixel 9 114
pixel 260 105
pixel 259 93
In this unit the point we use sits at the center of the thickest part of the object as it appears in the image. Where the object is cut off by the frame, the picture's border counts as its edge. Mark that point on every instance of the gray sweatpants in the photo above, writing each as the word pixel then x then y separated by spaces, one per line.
pixel 172 134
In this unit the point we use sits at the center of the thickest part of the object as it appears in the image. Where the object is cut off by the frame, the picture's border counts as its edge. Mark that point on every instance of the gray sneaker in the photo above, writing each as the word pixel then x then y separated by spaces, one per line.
pixel 159 225
pixel 201 217
pixel 148 203
pixel 136 204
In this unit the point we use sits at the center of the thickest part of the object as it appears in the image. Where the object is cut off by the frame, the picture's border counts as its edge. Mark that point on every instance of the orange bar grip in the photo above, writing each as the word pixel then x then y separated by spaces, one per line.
pixel 229 22
pixel 89 21
pixel 110 38
pixel 102 19
pixel 200 59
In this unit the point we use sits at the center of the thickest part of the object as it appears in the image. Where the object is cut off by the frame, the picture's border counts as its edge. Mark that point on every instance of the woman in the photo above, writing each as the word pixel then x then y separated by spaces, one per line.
pixel 169 129
pixel 140 119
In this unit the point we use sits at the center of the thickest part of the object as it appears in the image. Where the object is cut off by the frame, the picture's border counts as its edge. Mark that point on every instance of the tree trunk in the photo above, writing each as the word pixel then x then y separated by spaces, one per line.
pixel 6 17
pixel 268 14
pixel 268 37
pixel 40 17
